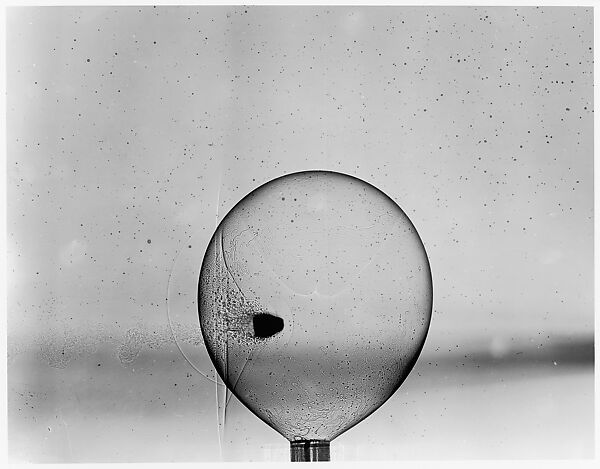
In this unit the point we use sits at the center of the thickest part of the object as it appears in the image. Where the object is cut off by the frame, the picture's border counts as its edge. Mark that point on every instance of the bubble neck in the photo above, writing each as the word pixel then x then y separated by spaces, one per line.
pixel 309 450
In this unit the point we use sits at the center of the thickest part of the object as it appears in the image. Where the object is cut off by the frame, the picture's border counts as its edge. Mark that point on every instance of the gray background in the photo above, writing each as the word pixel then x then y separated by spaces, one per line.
pixel 133 130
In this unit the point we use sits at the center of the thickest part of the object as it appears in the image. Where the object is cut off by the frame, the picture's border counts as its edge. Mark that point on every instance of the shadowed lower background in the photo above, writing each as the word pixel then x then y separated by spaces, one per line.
pixel 133 130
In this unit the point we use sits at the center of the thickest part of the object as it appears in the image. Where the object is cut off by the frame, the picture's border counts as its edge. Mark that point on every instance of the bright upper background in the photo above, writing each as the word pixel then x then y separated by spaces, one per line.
pixel 133 130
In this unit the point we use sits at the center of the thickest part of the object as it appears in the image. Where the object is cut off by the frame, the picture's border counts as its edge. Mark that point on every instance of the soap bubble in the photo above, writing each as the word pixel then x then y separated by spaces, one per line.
pixel 315 298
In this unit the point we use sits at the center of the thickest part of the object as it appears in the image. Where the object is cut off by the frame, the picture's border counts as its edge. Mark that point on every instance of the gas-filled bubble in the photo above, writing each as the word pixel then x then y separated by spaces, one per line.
pixel 315 298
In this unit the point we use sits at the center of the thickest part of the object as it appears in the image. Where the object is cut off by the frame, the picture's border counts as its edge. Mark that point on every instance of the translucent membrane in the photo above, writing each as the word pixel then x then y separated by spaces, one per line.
pixel 315 298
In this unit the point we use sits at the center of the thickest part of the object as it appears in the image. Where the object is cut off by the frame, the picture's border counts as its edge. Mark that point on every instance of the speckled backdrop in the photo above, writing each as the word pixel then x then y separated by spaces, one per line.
pixel 132 131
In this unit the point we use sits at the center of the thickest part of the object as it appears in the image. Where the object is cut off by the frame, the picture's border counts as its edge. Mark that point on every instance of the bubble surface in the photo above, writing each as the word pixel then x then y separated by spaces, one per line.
pixel 315 298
